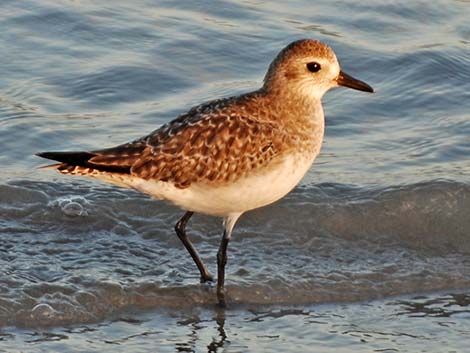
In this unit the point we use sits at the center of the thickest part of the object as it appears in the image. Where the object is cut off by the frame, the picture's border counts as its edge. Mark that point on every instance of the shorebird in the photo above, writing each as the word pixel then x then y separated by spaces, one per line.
pixel 230 155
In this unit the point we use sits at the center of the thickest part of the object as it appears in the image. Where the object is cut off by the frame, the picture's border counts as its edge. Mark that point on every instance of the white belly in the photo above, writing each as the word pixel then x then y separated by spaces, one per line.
pixel 245 194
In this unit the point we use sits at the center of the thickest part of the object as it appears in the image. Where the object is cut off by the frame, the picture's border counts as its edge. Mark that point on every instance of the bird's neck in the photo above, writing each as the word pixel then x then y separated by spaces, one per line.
pixel 287 108
pixel 301 120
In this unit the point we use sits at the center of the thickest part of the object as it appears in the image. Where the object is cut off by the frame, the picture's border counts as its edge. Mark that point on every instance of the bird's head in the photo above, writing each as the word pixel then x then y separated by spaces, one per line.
pixel 307 69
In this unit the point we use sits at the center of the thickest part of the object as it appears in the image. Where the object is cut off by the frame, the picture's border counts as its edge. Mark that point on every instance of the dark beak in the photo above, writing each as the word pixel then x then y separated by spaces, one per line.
pixel 349 81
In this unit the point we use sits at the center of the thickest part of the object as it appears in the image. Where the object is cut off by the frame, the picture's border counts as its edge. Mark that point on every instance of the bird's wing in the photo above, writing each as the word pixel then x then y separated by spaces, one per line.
pixel 206 148
pixel 214 149
pixel 197 147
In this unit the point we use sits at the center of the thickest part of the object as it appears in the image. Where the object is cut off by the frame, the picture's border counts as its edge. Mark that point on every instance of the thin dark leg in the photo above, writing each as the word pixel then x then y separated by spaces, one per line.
pixel 180 229
pixel 221 262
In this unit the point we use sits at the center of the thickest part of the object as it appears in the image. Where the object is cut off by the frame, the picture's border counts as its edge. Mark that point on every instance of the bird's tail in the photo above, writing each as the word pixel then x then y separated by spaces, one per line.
pixel 68 160
pixel 79 163
pixel 75 158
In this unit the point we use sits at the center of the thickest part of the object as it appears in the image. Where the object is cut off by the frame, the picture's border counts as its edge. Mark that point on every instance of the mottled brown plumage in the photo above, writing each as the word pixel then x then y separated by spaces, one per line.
pixel 214 143
pixel 224 140
pixel 231 155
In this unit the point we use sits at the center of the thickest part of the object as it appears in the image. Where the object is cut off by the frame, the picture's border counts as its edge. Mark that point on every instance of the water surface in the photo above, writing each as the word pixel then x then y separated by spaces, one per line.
pixel 383 214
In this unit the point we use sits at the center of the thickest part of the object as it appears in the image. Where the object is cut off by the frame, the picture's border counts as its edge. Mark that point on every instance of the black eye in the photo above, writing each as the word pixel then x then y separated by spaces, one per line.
pixel 313 67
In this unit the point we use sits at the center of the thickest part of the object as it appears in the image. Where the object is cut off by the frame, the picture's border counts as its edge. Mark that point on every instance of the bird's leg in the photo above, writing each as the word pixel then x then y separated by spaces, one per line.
pixel 229 223
pixel 180 229
pixel 221 262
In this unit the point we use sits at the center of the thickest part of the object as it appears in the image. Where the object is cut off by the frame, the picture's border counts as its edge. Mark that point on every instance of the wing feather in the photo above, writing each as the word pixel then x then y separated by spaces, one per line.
pixel 209 144
pixel 216 149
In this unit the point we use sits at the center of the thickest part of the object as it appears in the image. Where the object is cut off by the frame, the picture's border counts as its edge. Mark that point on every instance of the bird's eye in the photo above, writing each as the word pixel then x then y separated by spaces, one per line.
pixel 313 67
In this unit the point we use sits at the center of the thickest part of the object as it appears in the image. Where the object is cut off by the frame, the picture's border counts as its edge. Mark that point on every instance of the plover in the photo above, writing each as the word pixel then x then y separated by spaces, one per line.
pixel 231 155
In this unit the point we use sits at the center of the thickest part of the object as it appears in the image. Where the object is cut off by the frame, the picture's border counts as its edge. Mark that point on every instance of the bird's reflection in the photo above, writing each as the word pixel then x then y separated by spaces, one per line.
pixel 198 326
pixel 218 342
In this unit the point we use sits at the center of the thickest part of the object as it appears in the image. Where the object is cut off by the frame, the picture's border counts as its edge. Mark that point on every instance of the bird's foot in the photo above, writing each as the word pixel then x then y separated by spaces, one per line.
pixel 206 278
pixel 222 303
pixel 207 286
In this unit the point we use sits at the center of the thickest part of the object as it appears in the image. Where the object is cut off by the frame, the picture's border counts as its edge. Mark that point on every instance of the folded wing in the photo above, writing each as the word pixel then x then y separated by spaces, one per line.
pixel 203 148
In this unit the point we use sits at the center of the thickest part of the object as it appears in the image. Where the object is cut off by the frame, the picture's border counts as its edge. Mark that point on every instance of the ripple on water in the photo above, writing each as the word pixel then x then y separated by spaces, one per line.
pixel 114 249
pixel 89 75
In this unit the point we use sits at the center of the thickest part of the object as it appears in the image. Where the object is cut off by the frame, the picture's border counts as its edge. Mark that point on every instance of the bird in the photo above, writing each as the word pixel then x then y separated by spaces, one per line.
pixel 229 155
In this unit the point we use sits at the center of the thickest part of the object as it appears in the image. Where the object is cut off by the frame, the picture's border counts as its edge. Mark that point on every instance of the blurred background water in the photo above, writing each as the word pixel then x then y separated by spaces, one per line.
pixel 383 214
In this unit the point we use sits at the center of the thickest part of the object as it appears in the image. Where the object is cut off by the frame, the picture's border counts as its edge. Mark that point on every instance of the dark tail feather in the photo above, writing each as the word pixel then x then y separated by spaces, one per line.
pixel 72 158
pixel 80 159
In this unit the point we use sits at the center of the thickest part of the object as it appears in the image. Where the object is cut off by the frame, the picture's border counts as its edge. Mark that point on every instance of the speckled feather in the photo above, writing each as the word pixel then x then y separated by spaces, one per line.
pixel 213 143
pixel 232 155
pixel 222 141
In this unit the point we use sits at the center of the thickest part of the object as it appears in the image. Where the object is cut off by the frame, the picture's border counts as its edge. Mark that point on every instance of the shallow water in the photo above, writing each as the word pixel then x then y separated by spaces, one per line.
pixel 383 212
pixel 419 324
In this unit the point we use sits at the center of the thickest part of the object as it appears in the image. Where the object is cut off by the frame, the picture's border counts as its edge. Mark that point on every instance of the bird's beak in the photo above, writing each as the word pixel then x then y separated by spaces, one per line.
pixel 349 81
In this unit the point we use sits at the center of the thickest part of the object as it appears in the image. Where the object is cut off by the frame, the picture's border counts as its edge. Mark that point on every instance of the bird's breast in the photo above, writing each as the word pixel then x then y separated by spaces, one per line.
pixel 260 188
